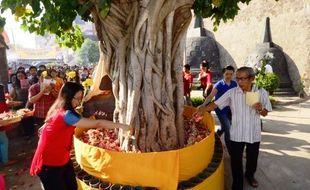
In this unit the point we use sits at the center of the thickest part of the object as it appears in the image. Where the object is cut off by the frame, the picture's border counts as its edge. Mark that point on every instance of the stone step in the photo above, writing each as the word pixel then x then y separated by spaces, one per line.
pixel 283 93
pixel 284 90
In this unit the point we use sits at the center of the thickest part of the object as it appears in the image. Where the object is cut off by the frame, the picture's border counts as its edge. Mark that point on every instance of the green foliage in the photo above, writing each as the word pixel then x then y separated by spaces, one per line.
pixel 105 7
pixel 268 81
pixel 72 38
pixel 2 23
pixel 57 16
pixel 197 101
pixel 217 10
pixel 88 54
pixel 54 16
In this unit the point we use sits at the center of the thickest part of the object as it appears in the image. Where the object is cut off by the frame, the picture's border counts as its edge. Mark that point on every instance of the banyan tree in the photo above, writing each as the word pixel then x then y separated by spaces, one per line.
pixel 141 45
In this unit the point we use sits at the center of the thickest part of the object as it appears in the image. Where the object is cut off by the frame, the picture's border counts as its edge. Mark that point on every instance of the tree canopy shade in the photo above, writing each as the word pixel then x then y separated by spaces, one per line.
pixel 57 16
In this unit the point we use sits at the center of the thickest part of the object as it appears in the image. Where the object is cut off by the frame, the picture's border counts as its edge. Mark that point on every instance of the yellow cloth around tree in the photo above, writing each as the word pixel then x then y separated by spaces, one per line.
pixel 147 169
pixel 162 170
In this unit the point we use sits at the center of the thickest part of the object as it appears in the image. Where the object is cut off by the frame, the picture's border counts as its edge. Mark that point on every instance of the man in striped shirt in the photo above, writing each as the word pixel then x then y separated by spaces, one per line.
pixel 246 125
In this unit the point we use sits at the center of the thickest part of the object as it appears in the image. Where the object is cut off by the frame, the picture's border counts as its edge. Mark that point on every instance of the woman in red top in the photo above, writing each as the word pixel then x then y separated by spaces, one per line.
pixel 51 161
pixel 205 77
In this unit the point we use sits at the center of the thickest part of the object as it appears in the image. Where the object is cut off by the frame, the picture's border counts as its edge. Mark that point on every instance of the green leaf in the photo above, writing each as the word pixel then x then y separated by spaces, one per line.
pixel 197 101
pixel 84 10
pixel 9 4
pixel 35 4
pixel 2 22
pixel 104 12
pixel 268 81
pixel 72 38
pixel 217 10
pixel 32 28
pixel 104 7
pixel 104 3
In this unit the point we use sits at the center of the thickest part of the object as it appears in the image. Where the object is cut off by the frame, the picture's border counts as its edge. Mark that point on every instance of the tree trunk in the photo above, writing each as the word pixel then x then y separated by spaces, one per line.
pixel 4 78
pixel 141 46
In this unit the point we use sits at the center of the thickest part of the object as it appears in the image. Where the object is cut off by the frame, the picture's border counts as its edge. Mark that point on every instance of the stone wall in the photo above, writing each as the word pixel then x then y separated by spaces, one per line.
pixel 290 30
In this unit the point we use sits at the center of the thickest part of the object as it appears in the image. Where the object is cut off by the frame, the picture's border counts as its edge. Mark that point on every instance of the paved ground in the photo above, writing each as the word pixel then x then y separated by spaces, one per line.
pixel 284 161
pixel 17 175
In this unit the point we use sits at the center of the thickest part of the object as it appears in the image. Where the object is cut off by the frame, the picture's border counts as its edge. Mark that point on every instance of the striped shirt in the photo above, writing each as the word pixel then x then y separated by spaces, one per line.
pixel 246 124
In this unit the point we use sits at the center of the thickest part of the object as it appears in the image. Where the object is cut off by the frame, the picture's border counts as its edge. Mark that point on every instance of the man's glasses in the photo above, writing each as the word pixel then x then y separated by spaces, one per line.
pixel 242 78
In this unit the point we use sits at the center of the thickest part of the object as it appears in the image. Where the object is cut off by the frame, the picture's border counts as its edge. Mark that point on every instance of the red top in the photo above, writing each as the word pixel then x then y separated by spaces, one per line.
pixel 205 78
pixel 187 80
pixel 54 145
pixel 3 107
pixel 42 106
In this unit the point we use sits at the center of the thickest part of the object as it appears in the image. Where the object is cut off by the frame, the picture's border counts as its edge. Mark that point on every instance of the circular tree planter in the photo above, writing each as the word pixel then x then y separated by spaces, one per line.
pixel 161 170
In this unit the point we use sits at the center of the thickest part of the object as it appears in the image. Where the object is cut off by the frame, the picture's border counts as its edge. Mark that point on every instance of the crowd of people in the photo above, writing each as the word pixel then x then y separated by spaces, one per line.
pixel 37 89
pixel 239 120
pixel 53 94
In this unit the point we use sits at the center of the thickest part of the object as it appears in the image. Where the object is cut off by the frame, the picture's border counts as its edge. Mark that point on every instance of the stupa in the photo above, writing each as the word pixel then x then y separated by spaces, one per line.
pixel 278 62
pixel 201 46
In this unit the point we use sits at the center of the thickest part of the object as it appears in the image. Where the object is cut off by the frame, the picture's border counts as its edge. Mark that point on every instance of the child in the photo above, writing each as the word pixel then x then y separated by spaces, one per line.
pixel 187 81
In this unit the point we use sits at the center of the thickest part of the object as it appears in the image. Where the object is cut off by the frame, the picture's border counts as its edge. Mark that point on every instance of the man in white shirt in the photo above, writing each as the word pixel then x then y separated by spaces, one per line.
pixel 246 125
